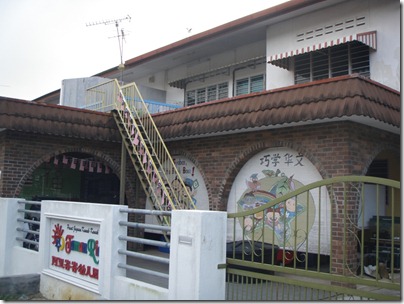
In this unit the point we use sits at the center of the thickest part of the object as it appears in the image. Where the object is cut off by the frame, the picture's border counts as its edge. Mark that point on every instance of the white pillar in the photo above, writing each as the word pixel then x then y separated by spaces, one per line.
pixel 8 226
pixel 198 247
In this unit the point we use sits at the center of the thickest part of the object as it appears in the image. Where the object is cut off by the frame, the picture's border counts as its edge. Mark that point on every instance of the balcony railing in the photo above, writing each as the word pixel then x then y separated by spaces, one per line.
pixel 97 100
pixel 158 107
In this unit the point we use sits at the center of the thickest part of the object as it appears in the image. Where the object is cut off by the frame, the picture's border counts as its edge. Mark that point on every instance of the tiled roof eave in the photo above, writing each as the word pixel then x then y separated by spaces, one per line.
pixel 37 118
pixel 317 101
pixel 356 119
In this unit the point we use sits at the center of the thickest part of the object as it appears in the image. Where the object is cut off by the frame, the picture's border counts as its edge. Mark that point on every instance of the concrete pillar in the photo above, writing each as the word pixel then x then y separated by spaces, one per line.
pixel 198 247
pixel 8 225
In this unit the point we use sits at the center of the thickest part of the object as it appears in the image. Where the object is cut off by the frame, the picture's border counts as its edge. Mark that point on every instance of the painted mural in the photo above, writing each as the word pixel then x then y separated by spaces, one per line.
pixel 267 176
pixel 193 179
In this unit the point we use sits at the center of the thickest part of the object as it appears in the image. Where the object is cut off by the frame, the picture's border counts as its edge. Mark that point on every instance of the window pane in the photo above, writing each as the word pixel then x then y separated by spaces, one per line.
pixel 223 90
pixel 242 86
pixel 201 96
pixel 360 59
pixel 339 60
pixel 212 93
pixel 190 98
pixel 302 68
pixel 257 84
pixel 320 64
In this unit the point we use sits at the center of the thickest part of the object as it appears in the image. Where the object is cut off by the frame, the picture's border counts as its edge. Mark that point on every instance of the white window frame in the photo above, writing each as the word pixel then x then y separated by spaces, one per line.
pixel 249 84
pixel 201 95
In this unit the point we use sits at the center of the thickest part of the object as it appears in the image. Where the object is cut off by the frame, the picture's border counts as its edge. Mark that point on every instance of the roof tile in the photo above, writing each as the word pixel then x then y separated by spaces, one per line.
pixel 326 99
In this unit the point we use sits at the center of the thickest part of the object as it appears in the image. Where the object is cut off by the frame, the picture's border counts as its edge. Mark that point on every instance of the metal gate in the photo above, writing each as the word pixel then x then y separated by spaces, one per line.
pixel 337 239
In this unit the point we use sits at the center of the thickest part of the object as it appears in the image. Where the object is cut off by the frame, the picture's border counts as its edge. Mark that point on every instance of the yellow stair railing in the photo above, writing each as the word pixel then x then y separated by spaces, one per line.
pixel 157 172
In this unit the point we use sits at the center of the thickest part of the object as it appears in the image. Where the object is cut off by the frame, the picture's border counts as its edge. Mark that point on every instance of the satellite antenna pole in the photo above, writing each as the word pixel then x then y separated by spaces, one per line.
pixel 120 36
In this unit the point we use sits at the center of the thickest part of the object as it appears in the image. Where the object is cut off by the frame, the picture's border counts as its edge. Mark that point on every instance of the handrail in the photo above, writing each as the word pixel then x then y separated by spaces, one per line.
pixel 165 260
pixel 157 143
pixel 146 143
pixel 105 105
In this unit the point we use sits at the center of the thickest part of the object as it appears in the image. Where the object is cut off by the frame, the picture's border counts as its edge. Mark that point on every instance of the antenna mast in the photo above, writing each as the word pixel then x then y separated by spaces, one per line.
pixel 120 35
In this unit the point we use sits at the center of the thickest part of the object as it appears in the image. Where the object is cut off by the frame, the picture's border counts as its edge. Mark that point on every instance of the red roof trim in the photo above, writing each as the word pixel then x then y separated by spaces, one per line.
pixel 277 10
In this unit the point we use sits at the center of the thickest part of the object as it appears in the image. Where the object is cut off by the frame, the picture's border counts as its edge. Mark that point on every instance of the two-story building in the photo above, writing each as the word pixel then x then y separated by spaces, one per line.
pixel 306 90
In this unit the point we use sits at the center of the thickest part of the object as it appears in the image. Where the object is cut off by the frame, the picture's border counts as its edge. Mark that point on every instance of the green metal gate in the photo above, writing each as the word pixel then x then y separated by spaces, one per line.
pixel 342 243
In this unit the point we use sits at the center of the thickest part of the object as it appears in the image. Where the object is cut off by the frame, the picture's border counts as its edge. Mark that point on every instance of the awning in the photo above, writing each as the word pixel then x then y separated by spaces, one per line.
pixel 181 83
pixel 368 38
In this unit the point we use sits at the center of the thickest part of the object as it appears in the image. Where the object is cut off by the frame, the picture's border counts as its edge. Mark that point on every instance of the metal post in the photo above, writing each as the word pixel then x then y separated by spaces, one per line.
pixel 123 175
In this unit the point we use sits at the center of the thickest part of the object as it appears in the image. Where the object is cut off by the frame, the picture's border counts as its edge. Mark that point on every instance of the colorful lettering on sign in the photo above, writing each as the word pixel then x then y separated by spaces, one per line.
pixel 75 267
pixel 67 244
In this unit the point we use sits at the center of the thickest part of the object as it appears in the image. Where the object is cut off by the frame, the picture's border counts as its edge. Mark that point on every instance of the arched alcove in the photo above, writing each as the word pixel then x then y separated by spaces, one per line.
pixel 73 176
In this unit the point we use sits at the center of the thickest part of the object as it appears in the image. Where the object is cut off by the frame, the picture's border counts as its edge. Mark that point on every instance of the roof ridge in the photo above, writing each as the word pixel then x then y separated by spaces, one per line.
pixel 62 107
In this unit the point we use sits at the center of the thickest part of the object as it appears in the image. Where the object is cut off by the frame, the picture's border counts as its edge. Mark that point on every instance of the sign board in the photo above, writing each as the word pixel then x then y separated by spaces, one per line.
pixel 74 249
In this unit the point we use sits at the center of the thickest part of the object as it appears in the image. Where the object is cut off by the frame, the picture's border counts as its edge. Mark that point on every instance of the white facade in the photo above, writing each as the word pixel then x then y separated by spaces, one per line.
pixel 371 15
pixel 242 48
pixel 245 52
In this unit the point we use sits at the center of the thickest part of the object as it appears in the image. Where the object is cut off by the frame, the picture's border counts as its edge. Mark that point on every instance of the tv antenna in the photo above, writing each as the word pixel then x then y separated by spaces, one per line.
pixel 120 34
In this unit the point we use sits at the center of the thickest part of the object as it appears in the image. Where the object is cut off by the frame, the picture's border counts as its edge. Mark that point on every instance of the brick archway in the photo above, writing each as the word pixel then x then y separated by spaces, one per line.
pixel 46 158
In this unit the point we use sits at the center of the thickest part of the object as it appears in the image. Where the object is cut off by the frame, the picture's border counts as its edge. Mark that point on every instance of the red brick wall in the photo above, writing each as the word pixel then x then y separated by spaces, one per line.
pixel 335 149
pixel 21 153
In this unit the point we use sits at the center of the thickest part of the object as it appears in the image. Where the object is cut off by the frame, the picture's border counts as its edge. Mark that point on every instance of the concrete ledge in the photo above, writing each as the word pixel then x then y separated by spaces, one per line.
pixel 129 289
pixel 21 284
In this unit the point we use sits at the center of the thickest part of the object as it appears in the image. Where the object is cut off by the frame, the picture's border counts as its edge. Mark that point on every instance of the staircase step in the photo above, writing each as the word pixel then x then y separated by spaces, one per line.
pixel 142 169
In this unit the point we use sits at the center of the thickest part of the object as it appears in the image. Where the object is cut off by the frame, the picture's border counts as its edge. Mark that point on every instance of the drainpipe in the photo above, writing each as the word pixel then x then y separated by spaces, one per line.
pixel 234 79
pixel 185 92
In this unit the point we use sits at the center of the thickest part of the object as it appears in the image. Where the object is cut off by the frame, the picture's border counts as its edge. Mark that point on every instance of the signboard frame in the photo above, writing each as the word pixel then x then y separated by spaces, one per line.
pixel 59 264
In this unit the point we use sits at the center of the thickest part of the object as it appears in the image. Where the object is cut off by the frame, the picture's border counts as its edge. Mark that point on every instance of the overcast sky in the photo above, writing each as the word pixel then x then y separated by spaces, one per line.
pixel 46 41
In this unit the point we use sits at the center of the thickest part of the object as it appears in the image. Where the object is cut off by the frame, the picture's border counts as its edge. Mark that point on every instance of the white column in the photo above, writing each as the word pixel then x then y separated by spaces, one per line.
pixel 8 226
pixel 198 246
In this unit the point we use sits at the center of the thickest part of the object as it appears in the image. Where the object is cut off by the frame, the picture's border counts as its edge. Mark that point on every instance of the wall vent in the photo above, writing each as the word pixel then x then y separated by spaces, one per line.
pixel 328 29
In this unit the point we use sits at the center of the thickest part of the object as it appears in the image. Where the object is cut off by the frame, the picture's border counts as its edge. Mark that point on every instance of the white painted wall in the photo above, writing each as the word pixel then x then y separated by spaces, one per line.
pixel 176 96
pixel 205 230
pixel 127 289
pixel 385 63
pixel 14 259
pixel 382 16
pixel 198 246
pixel 67 286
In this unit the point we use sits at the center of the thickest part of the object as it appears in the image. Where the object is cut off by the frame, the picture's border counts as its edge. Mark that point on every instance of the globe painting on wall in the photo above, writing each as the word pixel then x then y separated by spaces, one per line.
pixel 267 176
pixel 279 219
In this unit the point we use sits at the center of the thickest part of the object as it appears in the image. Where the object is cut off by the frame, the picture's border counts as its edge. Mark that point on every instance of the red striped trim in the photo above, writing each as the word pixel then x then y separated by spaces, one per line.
pixel 368 38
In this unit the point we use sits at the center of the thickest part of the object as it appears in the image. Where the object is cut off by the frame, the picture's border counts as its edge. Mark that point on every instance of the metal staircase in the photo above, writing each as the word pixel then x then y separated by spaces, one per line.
pixel 156 170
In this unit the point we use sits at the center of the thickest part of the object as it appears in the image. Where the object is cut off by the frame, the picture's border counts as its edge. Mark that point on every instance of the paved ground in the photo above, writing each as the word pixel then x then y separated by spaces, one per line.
pixel 35 297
